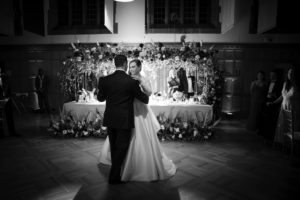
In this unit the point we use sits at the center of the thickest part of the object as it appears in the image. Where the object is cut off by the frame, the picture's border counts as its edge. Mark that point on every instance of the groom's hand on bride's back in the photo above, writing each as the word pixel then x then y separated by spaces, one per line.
pixel 138 94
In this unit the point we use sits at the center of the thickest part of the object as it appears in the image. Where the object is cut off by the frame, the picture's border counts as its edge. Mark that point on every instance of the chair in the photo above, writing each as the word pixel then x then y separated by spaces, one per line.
pixel 2 117
pixel 291 135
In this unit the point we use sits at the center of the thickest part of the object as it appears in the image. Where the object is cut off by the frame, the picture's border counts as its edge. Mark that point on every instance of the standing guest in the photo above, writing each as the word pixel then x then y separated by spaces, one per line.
pixel 258 92
pixel 5 94
pixel 270 113
pixel 183 84
pixel 41 88
pixel 173 83
pixel 288 105
pixel 191 84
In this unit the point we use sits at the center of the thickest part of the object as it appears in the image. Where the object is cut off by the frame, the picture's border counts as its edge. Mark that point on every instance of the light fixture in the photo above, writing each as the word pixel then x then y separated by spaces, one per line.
pixel 124 0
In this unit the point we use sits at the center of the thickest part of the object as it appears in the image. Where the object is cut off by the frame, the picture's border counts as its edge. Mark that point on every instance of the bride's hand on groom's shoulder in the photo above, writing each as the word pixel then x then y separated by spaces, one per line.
pixel 137 78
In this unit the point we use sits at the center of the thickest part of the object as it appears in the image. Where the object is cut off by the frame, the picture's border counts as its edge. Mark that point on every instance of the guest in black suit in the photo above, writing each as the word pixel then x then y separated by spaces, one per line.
pixel 183 83
pixel 271 111
pixel 191 84
pixel 119 91
pixel 5 94
pixel 41 84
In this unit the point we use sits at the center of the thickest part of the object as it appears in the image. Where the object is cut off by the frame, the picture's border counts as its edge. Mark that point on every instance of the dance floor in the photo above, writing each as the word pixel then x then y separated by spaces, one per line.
pixel 235 164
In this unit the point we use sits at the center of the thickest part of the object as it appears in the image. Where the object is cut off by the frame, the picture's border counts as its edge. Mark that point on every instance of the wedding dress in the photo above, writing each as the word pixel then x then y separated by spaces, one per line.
pixel 285 115
pixel 145 160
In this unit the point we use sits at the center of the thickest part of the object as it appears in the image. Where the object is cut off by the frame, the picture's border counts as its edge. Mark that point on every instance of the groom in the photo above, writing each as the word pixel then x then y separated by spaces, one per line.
pixel 119 91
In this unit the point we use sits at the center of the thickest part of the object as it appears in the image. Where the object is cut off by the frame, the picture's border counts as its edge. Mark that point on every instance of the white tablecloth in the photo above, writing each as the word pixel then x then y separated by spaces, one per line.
pixel 81 111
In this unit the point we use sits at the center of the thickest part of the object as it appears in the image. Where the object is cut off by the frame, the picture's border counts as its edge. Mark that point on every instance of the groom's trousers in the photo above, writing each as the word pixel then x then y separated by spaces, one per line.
pixel 119 140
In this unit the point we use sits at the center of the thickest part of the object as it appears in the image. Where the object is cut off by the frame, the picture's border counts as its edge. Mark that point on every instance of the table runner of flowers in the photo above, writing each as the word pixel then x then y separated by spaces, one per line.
pixel 170 129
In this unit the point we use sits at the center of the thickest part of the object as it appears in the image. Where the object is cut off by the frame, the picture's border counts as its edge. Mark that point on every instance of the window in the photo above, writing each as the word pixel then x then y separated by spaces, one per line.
pixel 195 16
pixel 63 13
pixel 174 7
pixel 159 12
pixel 204 11
pixel 91 15
pixel 76 16
pixel 189 11
pixel 77 12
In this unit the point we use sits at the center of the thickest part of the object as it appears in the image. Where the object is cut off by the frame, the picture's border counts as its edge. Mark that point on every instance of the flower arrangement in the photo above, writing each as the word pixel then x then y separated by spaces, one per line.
pixel 177 129
pixel 67 126
pixel 184 130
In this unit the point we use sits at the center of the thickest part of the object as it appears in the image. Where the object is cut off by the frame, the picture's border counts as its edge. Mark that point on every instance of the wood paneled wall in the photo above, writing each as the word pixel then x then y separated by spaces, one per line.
pixel 24 61
pixel 241 60
pixel 244 61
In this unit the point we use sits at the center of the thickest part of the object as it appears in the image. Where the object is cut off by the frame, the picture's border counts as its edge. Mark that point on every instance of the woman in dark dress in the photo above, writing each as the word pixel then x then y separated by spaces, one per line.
pixel 258 93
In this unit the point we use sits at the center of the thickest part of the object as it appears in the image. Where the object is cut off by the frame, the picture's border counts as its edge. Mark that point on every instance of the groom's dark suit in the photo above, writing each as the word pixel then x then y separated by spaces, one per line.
pixel 119 91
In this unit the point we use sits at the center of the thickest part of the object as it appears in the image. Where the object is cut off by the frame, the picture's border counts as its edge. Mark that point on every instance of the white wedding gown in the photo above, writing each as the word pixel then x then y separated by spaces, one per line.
pixel 145 160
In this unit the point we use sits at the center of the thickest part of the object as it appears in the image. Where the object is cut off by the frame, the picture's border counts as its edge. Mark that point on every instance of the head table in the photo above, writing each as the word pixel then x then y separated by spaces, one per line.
pixel 183 110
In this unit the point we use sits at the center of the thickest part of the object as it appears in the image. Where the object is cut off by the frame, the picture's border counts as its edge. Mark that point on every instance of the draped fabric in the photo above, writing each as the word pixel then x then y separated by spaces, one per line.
pixel 158 79
pixel 283 125
pixel 289 112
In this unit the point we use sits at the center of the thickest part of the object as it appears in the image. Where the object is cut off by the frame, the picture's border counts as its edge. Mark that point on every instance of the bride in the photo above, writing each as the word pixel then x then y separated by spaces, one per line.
pixel 145 160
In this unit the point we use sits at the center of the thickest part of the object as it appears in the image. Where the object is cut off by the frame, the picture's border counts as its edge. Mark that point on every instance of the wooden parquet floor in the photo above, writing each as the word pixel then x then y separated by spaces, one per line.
pixel 235 164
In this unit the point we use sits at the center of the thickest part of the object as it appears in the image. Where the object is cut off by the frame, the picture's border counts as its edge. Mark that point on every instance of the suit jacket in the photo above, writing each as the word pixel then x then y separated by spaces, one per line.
pixel 119 91
pixel 183 86
pixel 39 82
pixel 276 91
